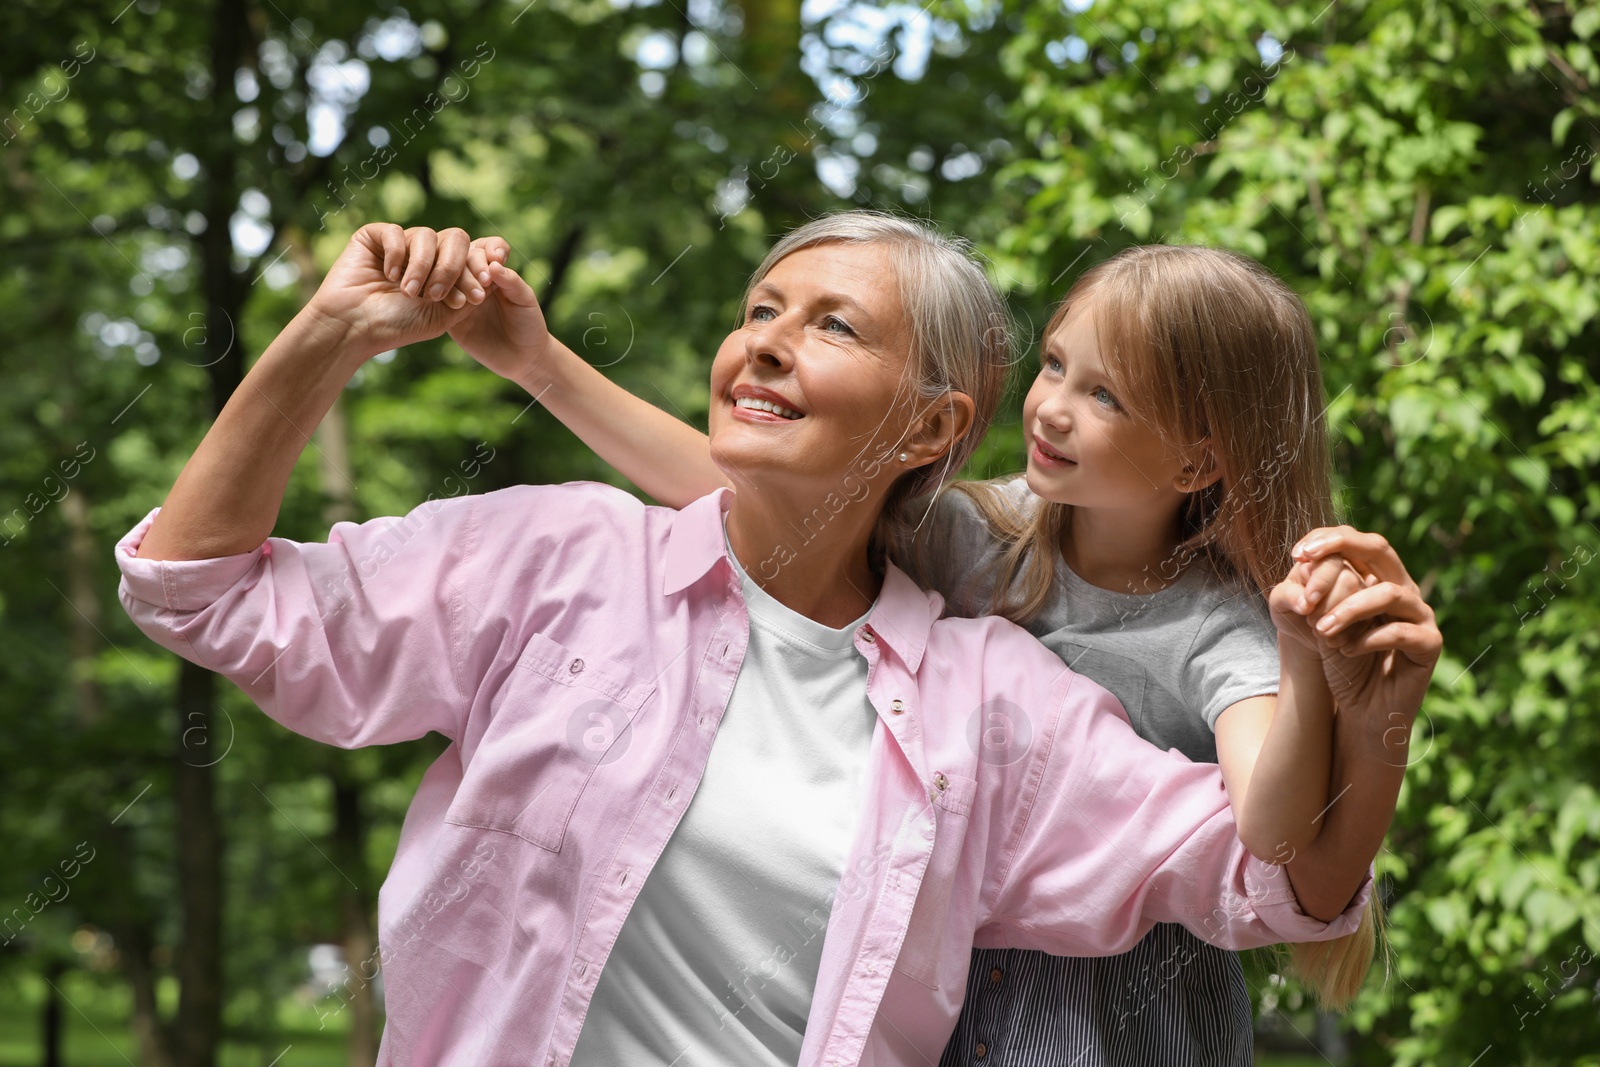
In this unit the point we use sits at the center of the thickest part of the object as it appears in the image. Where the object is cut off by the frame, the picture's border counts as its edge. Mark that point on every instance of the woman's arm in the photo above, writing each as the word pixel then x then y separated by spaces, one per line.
pixel 226 499
pixel 664 456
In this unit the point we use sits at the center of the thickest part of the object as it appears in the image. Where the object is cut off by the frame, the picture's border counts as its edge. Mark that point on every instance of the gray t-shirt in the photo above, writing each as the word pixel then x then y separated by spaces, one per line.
pixel 1176 658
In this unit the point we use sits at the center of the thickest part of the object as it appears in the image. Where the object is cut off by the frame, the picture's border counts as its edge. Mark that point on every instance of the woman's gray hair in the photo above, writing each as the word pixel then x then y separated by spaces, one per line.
pixel 960 340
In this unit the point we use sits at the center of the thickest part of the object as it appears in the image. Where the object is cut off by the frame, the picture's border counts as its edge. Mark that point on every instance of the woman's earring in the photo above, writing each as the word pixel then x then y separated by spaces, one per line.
pixel 904 456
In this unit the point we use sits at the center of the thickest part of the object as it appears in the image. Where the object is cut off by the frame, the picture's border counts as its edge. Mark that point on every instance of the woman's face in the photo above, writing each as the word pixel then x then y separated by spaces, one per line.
pixel 1083 447
pixel 825 339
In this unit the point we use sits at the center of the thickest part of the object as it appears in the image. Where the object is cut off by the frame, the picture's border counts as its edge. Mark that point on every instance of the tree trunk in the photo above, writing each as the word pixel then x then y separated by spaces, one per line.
pixel 198 1026
pixel 50 1015
pixel 360 941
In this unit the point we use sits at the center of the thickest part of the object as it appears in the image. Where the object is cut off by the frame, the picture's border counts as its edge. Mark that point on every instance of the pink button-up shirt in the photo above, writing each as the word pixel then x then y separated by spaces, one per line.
pixel 578 648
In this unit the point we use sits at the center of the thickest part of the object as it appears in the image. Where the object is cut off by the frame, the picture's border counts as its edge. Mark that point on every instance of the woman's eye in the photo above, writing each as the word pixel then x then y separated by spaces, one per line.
pixel 761 313
pixel 836 325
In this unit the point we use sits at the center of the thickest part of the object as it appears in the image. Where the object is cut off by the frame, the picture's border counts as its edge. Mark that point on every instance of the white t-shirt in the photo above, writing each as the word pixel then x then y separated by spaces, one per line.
pixel 717 960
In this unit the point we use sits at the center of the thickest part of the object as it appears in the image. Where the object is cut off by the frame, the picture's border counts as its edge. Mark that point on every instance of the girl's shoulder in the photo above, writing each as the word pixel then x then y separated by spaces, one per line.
pixel 952 538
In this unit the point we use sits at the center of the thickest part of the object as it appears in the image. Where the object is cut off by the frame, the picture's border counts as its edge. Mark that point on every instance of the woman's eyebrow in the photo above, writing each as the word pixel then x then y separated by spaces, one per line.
pixel 827 299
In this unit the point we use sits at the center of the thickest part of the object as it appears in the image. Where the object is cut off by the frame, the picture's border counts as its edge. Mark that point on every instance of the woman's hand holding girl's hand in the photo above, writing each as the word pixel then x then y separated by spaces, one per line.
pixel 392 287
pixel 1379 642
pixel 1310 590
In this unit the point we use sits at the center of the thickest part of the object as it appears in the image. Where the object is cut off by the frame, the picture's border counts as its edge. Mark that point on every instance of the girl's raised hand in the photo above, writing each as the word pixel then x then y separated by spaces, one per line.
pixel 1311 589
pixel 503 327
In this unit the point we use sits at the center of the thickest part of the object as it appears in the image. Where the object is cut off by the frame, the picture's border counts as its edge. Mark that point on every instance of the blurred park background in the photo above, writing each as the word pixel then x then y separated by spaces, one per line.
pixel 183 879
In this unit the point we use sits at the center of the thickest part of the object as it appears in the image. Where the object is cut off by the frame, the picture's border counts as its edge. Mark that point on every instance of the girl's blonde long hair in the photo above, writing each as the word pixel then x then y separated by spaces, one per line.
pixel 1203 345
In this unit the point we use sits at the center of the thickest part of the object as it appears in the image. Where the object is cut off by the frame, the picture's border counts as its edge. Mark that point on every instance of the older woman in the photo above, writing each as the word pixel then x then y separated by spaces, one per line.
pixel 687 816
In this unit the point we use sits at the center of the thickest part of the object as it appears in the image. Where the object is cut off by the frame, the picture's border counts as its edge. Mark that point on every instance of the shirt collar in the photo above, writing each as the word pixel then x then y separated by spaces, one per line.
pixel 901 618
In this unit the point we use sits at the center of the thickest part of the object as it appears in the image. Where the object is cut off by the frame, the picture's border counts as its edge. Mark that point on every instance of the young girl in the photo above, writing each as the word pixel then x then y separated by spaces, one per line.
pixel 1176 451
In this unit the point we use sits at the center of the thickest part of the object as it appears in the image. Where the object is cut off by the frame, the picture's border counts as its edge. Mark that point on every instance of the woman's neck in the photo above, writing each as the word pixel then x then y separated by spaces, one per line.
pixel 1123 551
pixel 814 561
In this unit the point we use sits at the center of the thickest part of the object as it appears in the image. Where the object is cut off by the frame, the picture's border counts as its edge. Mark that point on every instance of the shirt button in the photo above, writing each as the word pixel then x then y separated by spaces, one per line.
pixel 898 707
pixel 867 635
pixel 994 976
pixel 576 666
pixel 982 1050
pixel 940 782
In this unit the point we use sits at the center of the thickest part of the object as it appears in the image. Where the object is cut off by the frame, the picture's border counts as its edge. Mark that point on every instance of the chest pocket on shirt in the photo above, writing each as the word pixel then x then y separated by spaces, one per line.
pixel 928 935
pixel 561 718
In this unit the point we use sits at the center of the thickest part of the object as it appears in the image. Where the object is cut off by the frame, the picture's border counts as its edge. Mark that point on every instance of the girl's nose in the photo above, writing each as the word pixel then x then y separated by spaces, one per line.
pixel 1055 412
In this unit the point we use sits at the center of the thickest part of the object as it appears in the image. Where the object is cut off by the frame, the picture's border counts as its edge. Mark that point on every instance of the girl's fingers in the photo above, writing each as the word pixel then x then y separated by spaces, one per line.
pixel 488 250
pixel 421 244
pixel 450 257
pixel 1345 582
pixel 478 262
pixel 467 287
pixel 1323 574
pixel 511 286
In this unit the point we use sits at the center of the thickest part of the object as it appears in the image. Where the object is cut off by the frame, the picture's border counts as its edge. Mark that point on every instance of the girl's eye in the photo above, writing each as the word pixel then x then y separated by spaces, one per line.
pixel 1052 364
pixel 842 327
pixel 1103 395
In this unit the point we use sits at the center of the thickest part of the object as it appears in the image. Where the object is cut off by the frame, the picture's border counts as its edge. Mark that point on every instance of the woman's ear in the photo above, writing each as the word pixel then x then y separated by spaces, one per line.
pixel 942 426
pixel 1199 469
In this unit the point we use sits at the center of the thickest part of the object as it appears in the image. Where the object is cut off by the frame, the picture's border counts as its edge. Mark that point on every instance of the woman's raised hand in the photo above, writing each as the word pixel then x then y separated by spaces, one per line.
pixel 1379 641
pixel 393 287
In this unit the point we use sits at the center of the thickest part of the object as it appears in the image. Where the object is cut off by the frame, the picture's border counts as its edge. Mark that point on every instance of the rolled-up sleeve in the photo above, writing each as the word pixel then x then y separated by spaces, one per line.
pixel 358 641
pixel 1119 835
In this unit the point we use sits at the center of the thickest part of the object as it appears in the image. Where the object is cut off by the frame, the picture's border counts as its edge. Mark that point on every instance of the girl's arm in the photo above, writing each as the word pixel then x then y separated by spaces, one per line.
pixel 664 456
pixel 1379 647
pixel 1276 752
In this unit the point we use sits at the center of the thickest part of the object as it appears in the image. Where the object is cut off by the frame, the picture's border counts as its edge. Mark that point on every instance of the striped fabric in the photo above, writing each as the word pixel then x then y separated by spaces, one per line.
pixel 1172 1000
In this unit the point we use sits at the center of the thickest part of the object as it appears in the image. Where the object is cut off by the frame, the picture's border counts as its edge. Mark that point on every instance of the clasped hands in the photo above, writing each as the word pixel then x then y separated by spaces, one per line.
pixel 392 287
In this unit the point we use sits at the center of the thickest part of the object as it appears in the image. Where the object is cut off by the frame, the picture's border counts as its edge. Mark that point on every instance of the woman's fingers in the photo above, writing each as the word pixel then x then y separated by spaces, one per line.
pixel 1370 553
pixel 388 242
pixel 450 257
pixel 1419 643
pixel 421 243
pixel 1385 598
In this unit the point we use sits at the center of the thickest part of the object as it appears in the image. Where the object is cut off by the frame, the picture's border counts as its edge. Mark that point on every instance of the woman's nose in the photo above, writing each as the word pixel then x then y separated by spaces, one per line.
pixel 771 343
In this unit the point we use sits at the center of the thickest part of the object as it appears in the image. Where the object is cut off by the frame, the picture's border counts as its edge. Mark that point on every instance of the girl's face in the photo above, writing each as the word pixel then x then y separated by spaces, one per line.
pixel 824 338
pixel 1084 449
